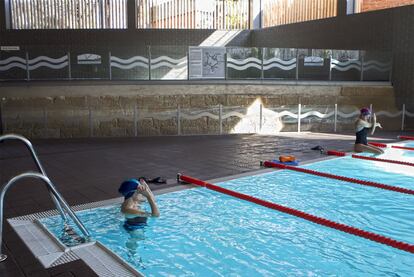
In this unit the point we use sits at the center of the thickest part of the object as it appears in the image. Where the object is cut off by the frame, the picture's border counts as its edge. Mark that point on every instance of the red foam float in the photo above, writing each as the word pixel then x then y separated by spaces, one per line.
pixel 315 219
pixel 406 137
pixel 378 144
pixel 382 160
pixel 403 147
pixel 335 153
pixel 341 178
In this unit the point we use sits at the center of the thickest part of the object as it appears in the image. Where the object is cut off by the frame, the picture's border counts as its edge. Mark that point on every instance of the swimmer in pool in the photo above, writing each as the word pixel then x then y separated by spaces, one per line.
pixel 362 125
pixel 135 193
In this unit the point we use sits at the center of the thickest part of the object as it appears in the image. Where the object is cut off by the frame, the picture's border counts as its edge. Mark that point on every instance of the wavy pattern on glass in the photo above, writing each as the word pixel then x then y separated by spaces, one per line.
pixel 345 66
pixel 285 65
pixel 136 61
pixel 376 65
pixel 44 61
pixel 318 114
pixel 168 62
pixel 244 64
pixel 12 62
pixel 35 63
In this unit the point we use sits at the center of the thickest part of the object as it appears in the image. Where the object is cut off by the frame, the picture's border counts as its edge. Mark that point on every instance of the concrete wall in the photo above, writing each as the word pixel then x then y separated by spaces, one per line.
pixel 129 110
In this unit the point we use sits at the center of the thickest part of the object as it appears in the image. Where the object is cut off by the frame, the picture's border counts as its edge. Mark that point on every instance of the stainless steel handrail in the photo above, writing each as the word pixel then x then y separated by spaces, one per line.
pixel 52 189
pixel 38 164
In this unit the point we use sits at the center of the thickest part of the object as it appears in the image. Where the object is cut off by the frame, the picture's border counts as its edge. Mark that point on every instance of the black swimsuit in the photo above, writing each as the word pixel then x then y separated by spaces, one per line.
pixel 361 136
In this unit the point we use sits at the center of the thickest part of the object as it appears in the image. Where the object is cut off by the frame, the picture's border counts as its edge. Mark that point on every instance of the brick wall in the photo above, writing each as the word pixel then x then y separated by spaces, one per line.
pixel 103 38
pixel 372 5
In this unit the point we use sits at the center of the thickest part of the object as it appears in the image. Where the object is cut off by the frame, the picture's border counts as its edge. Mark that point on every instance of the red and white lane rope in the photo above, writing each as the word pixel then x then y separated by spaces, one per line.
pixel 335 153
pixel 403 147
pixel 382 160
pixel 315 219
pixel 378 144
pixel 406 137
pixel 338 177
pixel 341 154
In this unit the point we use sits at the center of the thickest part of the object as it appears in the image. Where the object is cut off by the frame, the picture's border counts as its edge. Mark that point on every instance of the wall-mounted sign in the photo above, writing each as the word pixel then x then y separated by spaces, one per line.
pixel 206 62
pixel 313 61
pixel 89 59
pixel 10 48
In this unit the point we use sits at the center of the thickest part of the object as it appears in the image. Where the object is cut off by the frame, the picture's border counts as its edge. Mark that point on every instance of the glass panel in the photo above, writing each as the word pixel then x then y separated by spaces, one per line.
pixel 90 63
pixel 80 14
pixel 244 63
pixel 314 64
pixel 192 14
pixel 282 12
pixel 169 62
pixel 377 66
pixel 346 65
pixel 13 65
pixel 129 63
pixel 279 63
pixel 48 63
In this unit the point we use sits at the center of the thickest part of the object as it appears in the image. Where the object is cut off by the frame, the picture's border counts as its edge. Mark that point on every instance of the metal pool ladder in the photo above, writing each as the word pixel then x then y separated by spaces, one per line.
pixel 61 205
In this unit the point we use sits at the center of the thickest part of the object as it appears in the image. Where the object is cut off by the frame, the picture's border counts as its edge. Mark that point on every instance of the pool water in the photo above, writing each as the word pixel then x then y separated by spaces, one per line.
pixel 204 233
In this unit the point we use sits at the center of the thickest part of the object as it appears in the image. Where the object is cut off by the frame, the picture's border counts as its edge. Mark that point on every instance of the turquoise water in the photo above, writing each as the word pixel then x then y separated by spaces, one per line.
pixel 385 173
pixel 204 233
pixel 409 155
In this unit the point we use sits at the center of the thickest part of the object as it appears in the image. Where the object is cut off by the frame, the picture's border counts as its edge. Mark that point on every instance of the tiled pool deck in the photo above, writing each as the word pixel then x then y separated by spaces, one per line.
pixel 88 170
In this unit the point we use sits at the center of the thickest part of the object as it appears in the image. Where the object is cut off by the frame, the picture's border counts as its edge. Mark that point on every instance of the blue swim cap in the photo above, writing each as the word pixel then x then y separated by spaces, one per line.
pixel 128 188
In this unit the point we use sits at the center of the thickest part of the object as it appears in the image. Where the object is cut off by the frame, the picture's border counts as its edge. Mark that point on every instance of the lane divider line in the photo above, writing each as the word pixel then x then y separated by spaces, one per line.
pixel 312 218
pixel 381 160
pixel 403 147
pixel 341 178
pixel 406 137
pixel 342 154
pixel 378 144
pixel 335 153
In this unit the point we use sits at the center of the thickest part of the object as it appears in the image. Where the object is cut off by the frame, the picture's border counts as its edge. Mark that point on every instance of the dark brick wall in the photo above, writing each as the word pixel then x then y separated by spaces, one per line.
pixel 385 30
pixel 2 17
pixel 403 53
pixel 243 38
pixel 103 37
pixel 357 31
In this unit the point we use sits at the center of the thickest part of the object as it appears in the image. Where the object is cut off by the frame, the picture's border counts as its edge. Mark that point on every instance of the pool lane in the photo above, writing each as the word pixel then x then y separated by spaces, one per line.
pixel 380 172
pixel 205 233
pixel 384 212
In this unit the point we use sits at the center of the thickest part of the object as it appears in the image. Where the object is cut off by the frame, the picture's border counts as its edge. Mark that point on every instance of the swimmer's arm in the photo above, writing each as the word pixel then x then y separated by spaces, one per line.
pixel 134 212
pixel 153 205
pixel 375 124
pixel 146 191
pixel 360 124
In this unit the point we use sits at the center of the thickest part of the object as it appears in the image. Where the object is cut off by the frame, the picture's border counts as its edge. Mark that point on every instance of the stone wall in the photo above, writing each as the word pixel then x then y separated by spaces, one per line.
pixel 144 110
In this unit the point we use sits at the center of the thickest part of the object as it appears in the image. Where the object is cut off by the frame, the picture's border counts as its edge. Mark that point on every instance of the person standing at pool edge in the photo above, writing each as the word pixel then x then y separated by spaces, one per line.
pixel 134 192
pixel 362 125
